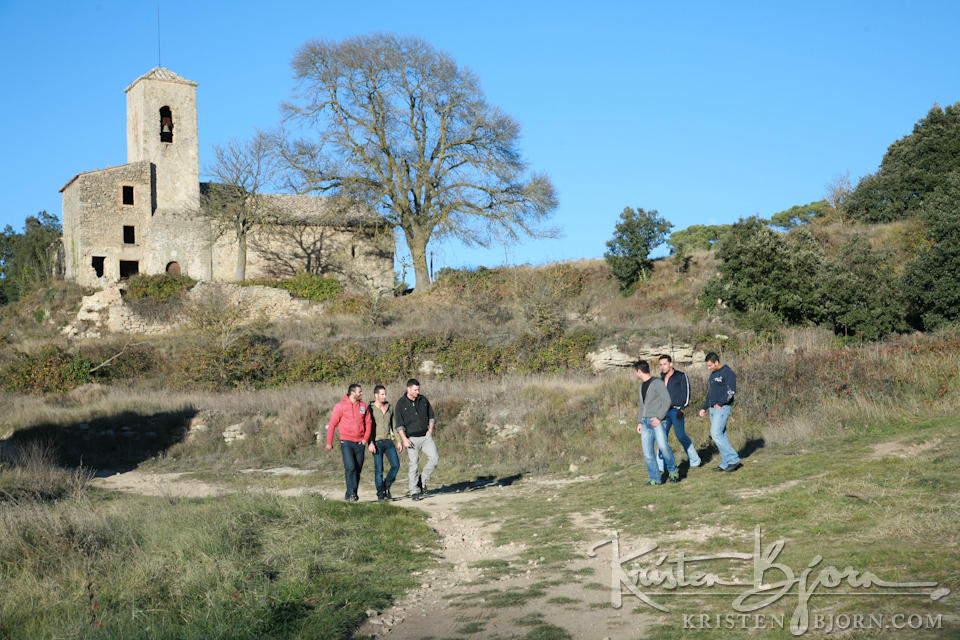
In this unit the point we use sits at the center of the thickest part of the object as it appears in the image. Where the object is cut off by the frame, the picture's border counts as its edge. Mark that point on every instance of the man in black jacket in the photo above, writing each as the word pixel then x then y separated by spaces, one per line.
pixel 679 389
pixel 415 422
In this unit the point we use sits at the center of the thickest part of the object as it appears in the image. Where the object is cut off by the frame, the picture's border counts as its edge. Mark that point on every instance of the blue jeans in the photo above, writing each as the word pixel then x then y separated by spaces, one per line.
pixel 718 431
pixel 352 453
pixel 389 449
pixel 650 435
pixel 675 419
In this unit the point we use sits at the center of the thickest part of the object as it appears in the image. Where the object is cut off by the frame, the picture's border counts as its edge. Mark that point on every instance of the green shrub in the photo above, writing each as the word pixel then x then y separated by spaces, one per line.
pixel 157 288
pixel 308 286
pixel 128 360
pixel 248 360
pixel 50 370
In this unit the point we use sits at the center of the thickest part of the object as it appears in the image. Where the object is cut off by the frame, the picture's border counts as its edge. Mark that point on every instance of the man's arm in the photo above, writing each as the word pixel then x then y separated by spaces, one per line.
pixel 334 421
pixel 660 402
pixel 367 425
pixel 731 386
pixel 431 419
pixel 398 423
pixel 686 385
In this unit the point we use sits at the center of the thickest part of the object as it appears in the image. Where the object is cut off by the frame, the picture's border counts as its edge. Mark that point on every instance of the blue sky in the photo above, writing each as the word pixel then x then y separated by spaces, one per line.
pixel 705 111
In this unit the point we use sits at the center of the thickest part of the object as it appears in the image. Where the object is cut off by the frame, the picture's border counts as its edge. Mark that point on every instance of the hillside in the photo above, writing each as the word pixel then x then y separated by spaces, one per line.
pixel 844 443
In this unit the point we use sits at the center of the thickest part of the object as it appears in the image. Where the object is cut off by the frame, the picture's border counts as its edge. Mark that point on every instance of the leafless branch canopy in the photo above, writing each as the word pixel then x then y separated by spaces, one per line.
pixel 392 122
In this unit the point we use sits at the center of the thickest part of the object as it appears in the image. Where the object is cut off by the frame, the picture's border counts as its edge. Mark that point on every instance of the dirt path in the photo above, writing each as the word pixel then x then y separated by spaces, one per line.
pixel 456 597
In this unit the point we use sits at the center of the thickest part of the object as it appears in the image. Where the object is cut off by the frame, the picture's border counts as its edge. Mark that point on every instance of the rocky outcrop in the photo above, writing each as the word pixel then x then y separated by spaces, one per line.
pixel 106 311
pixel 611 357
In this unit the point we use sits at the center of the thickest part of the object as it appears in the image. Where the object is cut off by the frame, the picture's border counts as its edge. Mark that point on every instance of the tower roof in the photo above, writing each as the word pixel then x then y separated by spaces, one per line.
pixel 161 73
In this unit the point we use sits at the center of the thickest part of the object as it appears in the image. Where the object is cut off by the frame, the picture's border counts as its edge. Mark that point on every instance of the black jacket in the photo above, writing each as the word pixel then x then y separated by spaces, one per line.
pixel 679 389
pixel 413 417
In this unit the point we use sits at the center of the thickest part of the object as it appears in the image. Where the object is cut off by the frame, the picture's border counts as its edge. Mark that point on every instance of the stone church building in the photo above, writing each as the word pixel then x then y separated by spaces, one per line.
pixel 144 216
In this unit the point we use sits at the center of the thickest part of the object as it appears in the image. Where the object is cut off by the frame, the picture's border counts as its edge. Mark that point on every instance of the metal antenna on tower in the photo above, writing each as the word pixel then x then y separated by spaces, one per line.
pixel 159 63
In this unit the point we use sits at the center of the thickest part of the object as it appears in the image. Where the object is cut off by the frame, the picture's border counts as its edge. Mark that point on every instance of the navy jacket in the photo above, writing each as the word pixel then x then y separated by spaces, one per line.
pixel 679 389
pixel 723 385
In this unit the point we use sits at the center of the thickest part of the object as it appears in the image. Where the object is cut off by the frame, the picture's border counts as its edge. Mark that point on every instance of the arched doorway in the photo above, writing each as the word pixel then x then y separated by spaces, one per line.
pixel 173 268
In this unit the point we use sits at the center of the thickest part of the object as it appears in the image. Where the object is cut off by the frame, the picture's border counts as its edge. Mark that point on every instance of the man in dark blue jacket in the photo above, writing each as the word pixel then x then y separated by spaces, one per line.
pixel 723 387
pixel 679 389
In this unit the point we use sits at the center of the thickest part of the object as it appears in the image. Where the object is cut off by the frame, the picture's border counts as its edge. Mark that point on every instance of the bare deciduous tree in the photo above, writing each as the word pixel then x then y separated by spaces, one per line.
pixel 837 191
pixel 233 200
pixel 393 123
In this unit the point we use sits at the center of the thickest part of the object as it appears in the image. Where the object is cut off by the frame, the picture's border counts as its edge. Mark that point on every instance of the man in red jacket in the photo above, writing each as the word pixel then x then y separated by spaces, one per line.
pixel 353 418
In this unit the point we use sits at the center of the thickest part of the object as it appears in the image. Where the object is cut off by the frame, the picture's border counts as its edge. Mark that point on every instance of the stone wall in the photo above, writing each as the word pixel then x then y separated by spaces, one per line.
pixel 359 256
pixel 94 217
pixel 107 312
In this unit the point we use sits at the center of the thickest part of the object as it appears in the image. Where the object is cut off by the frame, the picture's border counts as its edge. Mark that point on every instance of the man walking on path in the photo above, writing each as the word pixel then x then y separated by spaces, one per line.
pixel 383 442
pixel 654 404
pixel 723 387
pixel 679 389
pixel 415 422
pixel 353 420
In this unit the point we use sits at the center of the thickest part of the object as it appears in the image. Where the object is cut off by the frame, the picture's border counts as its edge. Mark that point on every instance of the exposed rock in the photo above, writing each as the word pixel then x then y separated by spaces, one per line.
pixel 234 432
pixel 107 311
pixel 430 368
pixel 609 357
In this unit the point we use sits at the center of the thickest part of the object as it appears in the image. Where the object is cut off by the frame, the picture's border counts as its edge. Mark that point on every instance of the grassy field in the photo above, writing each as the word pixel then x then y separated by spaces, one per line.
pixel 106 565
pixel 882 499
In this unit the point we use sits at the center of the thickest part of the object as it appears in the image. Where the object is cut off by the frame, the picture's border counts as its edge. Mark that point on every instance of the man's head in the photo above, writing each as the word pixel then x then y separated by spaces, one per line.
pixel 380 393
pixel 713 361
pixel 413 388
pixel 666 364
pixel 354 392
pixel 642 369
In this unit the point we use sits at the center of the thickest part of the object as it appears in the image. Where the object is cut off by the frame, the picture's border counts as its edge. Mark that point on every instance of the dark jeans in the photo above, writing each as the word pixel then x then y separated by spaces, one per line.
pixel 389 449
pixel 352 453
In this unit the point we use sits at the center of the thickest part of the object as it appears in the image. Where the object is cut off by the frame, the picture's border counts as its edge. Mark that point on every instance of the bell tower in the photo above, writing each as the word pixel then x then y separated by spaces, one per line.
pixel 162 129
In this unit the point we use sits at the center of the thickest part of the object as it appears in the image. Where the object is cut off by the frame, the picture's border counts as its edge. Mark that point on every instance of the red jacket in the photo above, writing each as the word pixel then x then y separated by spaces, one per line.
pixel 353 420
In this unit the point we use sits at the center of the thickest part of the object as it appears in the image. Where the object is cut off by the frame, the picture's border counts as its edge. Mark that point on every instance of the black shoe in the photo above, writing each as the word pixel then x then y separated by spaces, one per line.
pixel 719 469
pixel 386 494
pixel 417 496
pixel 381 497
pixel 353 498
pixel 419 483
pixel 674 477
pixel 734 467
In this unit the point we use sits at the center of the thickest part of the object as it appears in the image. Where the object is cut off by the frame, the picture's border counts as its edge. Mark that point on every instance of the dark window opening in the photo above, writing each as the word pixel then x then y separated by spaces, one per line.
pixel 166 125
pixel 127 195
pixel 129 268
pixel 129 235
pixel 173 268
pixel 97 265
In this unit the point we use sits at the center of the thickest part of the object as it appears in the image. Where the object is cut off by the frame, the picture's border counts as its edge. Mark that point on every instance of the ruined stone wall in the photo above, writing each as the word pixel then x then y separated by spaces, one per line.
pixel 94 217
pixel 106 311
pixel 359 256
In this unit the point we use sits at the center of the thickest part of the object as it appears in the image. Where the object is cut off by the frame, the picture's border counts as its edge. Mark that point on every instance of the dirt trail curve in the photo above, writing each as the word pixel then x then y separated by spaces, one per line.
pixel 455 597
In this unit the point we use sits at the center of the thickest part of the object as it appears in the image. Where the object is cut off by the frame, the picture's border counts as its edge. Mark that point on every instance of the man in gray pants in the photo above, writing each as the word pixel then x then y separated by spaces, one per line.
pixel 415 422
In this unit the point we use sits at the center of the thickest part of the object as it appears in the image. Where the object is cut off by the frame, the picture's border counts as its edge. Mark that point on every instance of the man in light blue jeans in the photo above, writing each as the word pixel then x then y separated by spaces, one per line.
pixel 723 387
pixel 654 404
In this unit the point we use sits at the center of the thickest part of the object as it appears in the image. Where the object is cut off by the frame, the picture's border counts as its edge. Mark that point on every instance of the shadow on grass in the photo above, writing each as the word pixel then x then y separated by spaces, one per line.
pixel 478 484
pixel 110 444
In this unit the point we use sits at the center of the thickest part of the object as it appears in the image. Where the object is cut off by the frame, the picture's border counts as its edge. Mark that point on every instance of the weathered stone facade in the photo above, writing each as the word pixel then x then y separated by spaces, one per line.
pixel 144 216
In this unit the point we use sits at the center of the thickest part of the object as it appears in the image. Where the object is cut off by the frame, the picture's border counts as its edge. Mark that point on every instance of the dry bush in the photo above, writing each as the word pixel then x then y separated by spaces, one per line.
pixel 34 474
pixel 298 424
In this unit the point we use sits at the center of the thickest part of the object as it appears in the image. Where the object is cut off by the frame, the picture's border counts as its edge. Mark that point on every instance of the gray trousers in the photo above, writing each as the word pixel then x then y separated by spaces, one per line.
pixel 428 446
